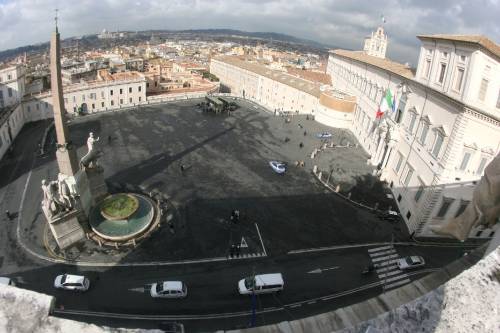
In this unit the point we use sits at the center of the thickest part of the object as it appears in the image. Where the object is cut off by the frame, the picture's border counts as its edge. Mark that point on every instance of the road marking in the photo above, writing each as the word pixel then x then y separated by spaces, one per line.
pixel 378 254
pixel 320 270
pixel 387 263
pixel 385 269
pixel 295 305
pixel 389 274
pixel 139 289
pixel 396 284
pixel 243 242
pixel 380 248
pixel 311 302
pixel 395 278
pixel 261 242
pixel 392 256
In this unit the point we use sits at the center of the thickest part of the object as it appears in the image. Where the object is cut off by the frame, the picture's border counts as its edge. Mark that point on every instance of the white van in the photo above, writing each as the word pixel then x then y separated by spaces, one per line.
pixel 261 284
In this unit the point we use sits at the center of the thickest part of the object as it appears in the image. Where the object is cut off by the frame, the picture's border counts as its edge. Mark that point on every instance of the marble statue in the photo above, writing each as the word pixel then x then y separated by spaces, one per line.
pixel 90 159
pixel 484 208
pixel 65 196
pixel 50 203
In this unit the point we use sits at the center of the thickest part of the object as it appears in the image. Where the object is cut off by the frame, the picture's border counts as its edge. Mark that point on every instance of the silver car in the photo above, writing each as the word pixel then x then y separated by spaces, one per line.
pixel 410 262
pixel 168 289
pixel 72 282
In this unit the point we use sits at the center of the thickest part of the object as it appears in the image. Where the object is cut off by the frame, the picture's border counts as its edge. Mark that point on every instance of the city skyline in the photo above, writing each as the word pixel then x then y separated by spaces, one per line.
pixel 339 23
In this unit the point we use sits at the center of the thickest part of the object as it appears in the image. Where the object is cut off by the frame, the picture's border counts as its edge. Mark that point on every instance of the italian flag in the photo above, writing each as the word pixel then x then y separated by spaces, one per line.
pixel 386 104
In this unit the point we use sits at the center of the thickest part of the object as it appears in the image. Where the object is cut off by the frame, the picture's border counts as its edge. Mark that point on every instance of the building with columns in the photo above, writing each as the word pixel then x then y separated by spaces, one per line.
pixel 281 91
pixel 376 44
pixel 444 128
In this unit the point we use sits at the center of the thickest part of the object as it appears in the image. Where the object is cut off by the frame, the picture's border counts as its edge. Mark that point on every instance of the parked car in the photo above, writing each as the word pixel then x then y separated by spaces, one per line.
pixel 171 327
pixel 261 284
pixel 278 167
pixel 168 289
pixel 389 215
pixel 324 135
pixel 7 281
pixel 72 282
pixel 410 262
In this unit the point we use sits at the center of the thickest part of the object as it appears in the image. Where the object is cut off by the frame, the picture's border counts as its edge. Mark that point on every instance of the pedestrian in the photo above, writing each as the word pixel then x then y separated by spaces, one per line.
pixel 238 250
pixel 183 168
pixel 305 133
pixel 301 145
pixel 9 216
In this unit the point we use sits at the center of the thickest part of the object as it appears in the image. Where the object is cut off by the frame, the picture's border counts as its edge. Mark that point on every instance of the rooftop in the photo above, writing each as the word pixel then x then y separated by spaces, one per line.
pixel 480 40
pixel 290 80
pixel 385 64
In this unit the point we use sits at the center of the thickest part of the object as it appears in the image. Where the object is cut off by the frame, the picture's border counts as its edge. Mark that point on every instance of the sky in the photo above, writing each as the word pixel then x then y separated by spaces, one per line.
pixel 343 23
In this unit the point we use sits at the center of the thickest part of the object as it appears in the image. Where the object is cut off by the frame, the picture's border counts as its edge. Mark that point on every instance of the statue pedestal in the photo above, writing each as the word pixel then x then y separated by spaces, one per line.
pixel 66 229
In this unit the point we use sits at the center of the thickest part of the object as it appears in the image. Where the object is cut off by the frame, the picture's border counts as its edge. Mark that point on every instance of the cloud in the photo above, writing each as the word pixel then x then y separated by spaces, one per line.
pixel 343 23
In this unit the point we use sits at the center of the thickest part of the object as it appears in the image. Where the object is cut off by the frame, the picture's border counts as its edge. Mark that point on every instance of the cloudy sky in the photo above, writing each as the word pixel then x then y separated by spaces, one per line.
pixel 343 23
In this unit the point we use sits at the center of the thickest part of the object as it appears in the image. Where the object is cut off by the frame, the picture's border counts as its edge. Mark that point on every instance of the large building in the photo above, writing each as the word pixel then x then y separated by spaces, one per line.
pixel 11 111
pixel 281 91
pixel 444 128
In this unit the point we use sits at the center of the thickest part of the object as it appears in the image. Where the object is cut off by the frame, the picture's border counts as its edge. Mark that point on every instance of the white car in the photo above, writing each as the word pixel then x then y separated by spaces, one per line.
pixel 72 282
pixel 168 289
pixel 261 284
pixel 324 135
pixel 410 262
pixel 278 167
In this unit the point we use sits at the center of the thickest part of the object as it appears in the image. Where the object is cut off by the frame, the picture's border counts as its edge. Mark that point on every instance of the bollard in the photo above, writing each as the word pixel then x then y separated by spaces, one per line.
pixel 337 189
pixel 349 195
pixel 320 174
pixel 315 169
pixel 376 206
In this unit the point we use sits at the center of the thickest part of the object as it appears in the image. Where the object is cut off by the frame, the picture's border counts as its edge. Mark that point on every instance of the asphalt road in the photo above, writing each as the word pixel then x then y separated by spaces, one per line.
pixel 213 300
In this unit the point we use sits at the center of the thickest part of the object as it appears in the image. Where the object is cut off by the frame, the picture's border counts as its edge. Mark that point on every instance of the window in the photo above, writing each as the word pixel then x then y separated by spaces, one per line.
pixel 111 92
pixel 112 103
pixel 9 77
pixel 479 233
pixel 74 99
pixel 483 89
pixel 423 135
pixel 498 100
pixel 462 207
pixel 419 192
pixel 427 68
pixel 482 164
pixel 130 100
pixel 9 92
pixel 465 161
pixel 102 94
pixel 121 91
pixel 444 207
pixel 399 197
pixel 409 173
pixel 408 215
pixel 442 72
pixel 139 88
pixel 130 89
pixel 102 104
pixel 401 109
pixel 459 77
pixel 121 100
pixel 413 118
pixel 140 99
pixel 398 163
pixel 93 106
pixel 437 144
pixel 37 106
pixel 29 108
pixel 93 96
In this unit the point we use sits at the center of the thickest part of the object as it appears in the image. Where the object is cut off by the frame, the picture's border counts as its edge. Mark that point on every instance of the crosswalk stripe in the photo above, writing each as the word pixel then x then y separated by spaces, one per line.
pixel 386 269
pixel 380 248
pixel 391 273
pixel 392 256
pixel 377 254
pixel 395 278
pixel 387 263
pixel 396 284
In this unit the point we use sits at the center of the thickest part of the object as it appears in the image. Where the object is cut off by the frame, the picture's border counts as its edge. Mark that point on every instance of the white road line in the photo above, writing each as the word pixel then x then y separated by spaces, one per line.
pixel 395 278
pixel 396 284
pixel 389 274
pixel 387 263
pixel 392 256
pixel 295 305
pixel 261 242
pixel 377 254
pixel 386 269
pixel 380 248
pixel 311 302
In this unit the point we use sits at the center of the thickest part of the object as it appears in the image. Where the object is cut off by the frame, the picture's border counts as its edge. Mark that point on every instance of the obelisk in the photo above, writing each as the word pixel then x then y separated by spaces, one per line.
pixel 66 152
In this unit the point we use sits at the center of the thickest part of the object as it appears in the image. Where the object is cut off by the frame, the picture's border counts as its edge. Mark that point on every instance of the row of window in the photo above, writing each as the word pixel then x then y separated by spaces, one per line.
pixel 370 89
pixel 8 77
pixel 112 103
pixel 467 156
pixel 9 92
pixel 93 96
